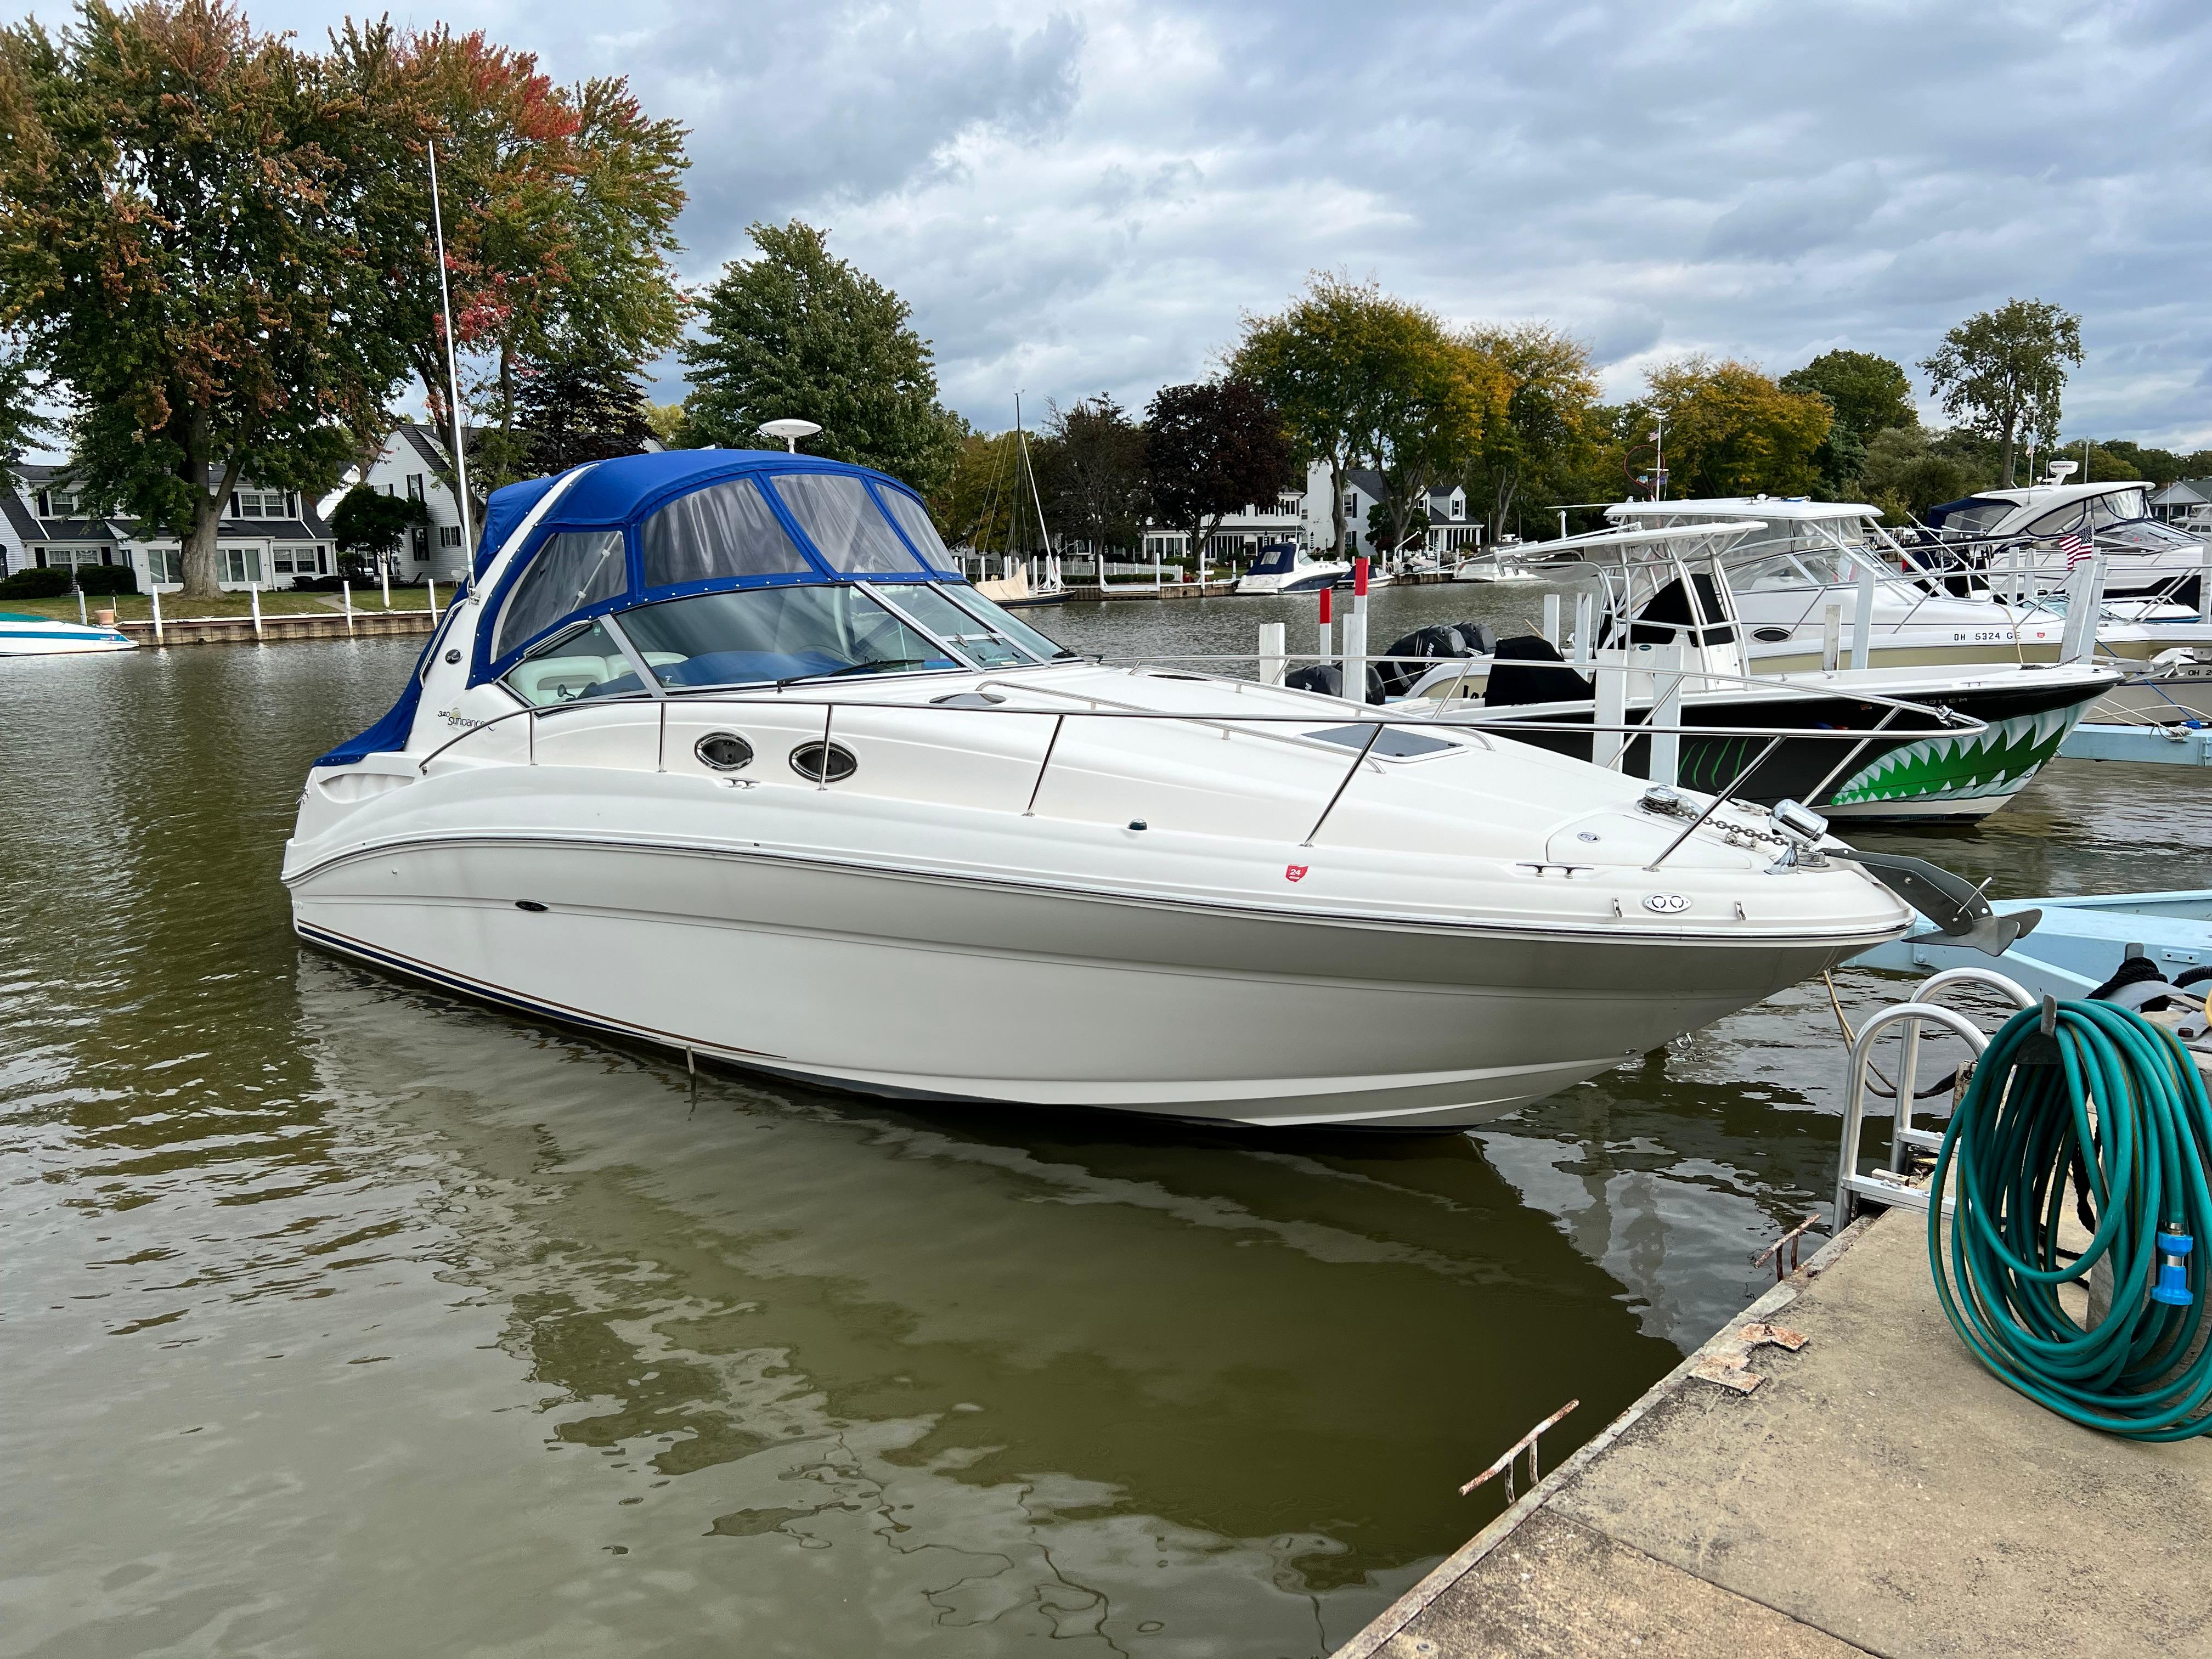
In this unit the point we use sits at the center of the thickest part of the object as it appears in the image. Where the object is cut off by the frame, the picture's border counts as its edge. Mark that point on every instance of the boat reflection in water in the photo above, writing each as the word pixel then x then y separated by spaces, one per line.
pixel 638 784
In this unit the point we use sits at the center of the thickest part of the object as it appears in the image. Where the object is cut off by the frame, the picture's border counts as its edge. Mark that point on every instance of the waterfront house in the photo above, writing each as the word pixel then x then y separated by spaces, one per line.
pixel 1448 532
pixel 2186 500
pixel 414 464
pixel 267 538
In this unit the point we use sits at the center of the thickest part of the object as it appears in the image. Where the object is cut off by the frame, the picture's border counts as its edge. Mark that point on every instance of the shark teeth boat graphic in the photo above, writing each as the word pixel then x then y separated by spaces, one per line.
pixel 1995 762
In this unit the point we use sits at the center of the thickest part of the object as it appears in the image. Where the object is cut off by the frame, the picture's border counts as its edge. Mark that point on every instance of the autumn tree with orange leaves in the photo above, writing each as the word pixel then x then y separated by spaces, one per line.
pixel 560 206
pixel 216 245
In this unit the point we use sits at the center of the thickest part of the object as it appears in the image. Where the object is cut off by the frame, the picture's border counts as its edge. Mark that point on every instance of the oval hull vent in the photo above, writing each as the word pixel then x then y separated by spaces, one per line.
pixel 725 751
pixel 823 763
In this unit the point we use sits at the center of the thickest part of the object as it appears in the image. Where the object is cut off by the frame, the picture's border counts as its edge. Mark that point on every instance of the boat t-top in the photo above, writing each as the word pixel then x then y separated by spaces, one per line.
pixel 1799 582
pixel 1665 624
pixel 720 752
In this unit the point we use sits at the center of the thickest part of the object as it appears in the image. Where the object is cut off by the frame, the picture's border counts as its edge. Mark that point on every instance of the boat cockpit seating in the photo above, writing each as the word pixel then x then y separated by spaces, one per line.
pixel 1667 617
pixel 1521 672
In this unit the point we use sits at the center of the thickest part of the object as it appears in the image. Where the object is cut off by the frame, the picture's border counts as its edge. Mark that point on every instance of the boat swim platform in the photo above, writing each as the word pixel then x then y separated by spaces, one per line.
pixel 1876 1491
pixel 2148 746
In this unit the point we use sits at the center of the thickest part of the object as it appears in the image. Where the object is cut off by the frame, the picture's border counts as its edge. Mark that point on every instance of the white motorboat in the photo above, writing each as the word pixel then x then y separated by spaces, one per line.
pixel 1285 567
pixel 2024 533
pixel 23 634
pixel 719 753
pixel 1507 564
pixel 1808 555
pixel 1668 621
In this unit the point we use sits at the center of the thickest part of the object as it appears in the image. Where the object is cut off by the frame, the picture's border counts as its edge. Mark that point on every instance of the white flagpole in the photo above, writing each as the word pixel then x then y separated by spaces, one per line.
pixel 453 376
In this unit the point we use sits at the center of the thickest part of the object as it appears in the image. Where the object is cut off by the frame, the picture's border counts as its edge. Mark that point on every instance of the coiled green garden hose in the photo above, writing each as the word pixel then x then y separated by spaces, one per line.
pixel 2138 1169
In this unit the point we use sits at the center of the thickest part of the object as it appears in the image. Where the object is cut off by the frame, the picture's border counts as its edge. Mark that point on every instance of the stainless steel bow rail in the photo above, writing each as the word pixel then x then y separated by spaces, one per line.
pixel 1891 1186
pixel 1229 723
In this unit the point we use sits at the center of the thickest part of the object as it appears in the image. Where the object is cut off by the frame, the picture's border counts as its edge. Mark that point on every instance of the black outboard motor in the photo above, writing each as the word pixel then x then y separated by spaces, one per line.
pixel 1327 678
pixel 1520 672
pixel 1437 641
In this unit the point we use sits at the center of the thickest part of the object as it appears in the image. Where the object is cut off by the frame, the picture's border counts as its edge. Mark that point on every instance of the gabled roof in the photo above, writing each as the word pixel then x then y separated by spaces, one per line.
pixel 419 439
pixel 19 516
pixel 2185 490
pixel 1367 479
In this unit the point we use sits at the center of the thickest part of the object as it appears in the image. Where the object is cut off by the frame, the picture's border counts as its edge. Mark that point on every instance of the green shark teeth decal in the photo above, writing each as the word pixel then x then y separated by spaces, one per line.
pixel 1998 762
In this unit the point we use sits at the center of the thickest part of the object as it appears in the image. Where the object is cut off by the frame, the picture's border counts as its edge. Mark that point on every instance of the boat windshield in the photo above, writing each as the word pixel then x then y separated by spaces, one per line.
pixel 1976 517
pixel 760 635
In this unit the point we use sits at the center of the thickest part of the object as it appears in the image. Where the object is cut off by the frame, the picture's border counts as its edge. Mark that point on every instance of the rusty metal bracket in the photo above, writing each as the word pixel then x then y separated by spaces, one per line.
pixel 1527 1443
pixel 1793 1238
pixel 1727 1364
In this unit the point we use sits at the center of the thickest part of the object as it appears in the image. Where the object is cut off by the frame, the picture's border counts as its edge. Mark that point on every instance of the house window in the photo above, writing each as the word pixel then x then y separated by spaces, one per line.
pixel 63 503
pixel 241 564
pixel 257 504
pixel 449 535
pixel 298 561
pixel 413 486
pixel 165 564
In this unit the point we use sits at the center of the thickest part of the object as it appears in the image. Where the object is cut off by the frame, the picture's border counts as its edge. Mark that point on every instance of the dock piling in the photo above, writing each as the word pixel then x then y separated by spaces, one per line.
pixel 155 593
pixel 1273 657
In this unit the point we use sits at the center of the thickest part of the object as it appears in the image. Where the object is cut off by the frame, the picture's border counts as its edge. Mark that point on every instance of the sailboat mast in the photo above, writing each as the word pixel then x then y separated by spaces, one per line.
pixel 1044 535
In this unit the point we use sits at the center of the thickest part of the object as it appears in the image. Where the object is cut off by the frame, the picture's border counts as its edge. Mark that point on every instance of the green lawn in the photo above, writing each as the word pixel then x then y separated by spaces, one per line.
pixel 136 607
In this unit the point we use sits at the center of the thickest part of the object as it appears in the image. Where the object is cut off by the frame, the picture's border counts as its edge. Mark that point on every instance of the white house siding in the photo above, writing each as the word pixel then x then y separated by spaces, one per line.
pixel 276 537
pixel 409 467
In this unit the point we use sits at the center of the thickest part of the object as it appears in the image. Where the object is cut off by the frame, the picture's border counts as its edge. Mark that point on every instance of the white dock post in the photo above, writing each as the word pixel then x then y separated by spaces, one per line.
pixel 154 594
pixel 431 585
pixel 1832 636
pixel 345 590
pixel 83 619
pixel 1670 662
pixel 2204 581
pixel 384 571
pixel 1272 654
pixel 253 590
pixel 1863 621
pixel 1355 636
pixel 1327 648
pixel 1552 620
pixel 1611 708
pixel 1586 636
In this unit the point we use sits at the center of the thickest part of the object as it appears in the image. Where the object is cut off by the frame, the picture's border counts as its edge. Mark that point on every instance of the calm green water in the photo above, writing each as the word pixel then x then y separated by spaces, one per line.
pixel 339 1318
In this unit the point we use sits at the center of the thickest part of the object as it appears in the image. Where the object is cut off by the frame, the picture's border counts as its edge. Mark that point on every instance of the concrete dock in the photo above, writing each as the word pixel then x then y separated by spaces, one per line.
pixel 279 626
pixel 1876 1491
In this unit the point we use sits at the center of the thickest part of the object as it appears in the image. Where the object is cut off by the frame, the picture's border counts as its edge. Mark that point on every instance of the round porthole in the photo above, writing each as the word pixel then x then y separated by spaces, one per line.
pixel 823 763
pixel 726 751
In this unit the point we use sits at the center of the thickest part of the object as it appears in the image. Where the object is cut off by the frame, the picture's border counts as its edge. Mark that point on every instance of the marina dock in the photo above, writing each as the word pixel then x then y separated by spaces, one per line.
pixel 1876 1490
pixel 279 626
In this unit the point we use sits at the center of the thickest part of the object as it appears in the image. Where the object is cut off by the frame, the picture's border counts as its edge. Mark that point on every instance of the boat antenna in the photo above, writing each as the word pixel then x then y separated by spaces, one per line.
pixel 453 377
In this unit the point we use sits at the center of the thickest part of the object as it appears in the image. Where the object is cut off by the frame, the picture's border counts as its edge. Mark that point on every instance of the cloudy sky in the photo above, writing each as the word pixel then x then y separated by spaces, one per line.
pixel 1081 197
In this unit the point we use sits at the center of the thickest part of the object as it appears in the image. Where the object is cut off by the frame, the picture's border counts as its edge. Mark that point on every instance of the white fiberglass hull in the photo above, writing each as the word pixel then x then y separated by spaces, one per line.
pixel 1013 908
pixel 937 988
pixel 37 636
pixel 1306 579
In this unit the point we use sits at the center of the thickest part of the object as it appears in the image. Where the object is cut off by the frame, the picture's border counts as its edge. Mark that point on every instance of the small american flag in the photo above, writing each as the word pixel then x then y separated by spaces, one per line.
pixel 2075 549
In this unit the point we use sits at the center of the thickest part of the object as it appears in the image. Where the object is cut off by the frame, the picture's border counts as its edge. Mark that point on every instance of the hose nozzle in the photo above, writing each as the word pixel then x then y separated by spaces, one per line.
pixel 2173 1247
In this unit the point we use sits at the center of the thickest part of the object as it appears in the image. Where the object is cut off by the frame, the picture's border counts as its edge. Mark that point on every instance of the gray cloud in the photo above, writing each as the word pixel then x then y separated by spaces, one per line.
pixel 1088 199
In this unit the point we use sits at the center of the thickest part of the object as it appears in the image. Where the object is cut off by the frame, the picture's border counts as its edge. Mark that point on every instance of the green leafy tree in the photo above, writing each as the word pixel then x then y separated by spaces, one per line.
pixel 666 420
pixel 1091 466
pixel 2002 373
pixel 560 204
pixel 370 526
pixel 181 246
pixel 1325 362
pixel 1866 394
pixel 797 333
pixel 1211 449
pixel 21 426
pixel 1437 400
pixel 580 409
pixel 1547 437
pixel 1732 431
